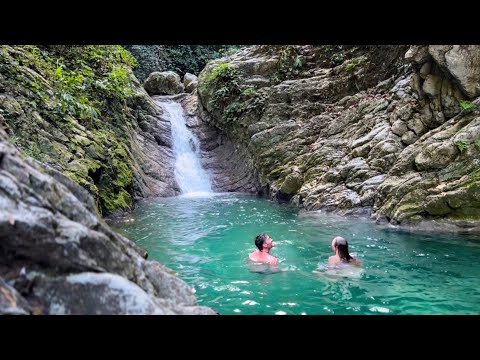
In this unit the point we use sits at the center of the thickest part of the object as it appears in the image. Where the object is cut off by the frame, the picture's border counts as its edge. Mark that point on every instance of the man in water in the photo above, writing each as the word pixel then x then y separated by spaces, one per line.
pixel 264 243
pixel 342 256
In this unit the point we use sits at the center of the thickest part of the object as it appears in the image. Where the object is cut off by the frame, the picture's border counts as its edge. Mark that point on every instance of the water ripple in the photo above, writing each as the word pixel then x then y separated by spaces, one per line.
pixel 207 239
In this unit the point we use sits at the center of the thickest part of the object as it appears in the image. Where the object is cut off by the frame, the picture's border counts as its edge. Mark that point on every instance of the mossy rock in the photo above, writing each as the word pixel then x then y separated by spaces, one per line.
pixel 95 151
pixel 292 183
pixel 113 200
pixel 81 140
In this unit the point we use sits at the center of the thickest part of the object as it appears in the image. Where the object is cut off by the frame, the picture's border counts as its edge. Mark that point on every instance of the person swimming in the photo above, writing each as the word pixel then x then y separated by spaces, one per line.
pixel 264 243
pixel 342 256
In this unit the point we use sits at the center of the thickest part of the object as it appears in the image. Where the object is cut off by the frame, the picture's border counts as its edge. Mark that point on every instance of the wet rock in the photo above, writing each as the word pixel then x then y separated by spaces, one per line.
pixel 74 263
pixel 190 82
pixel 11 302
pixel 163 83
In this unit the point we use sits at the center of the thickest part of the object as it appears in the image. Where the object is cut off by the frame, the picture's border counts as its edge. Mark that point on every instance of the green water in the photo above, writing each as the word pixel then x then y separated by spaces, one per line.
pixel 207 240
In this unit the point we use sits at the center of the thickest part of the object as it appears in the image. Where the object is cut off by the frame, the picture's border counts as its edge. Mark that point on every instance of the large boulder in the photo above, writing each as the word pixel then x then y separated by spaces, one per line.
pixel 462 63
pixel 163 83
pixel 190 82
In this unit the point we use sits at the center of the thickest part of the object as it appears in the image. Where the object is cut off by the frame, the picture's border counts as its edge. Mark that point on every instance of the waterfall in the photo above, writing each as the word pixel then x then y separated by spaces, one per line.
pixel 189 173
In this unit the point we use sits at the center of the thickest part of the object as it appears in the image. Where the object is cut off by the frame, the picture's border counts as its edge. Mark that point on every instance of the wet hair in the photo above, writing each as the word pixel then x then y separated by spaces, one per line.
pixel 342 246
pixel 259 240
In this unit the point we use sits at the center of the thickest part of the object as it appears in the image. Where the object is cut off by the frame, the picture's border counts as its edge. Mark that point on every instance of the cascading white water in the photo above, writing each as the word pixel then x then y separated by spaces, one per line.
pixel 189 173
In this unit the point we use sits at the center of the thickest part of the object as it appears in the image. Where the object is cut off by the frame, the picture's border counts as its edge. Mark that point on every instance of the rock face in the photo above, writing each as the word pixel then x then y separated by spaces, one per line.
pixel 58 257
pixel 152 154
pixel 163 83
pixel 11 302
pixel 99 127
pixel 387 130
pixel 461 62
pixel 190 82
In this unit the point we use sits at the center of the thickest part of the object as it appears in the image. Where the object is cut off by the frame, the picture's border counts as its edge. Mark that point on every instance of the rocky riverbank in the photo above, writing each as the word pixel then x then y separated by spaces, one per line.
pixel 390 131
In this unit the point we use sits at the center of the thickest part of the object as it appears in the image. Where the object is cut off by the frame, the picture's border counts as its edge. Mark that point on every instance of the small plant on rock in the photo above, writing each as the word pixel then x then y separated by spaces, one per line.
pixel 468 106
pixel 462 145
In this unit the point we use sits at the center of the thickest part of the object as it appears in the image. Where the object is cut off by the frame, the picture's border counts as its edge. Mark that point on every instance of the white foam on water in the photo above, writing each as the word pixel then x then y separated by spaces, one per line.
pixel 380 309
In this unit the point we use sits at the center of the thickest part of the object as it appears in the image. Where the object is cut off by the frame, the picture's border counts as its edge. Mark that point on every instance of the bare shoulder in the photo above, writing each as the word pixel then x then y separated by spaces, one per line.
pixel 332 260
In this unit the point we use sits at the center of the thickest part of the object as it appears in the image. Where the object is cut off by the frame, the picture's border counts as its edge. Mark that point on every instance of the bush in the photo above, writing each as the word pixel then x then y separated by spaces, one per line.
pixel 178 58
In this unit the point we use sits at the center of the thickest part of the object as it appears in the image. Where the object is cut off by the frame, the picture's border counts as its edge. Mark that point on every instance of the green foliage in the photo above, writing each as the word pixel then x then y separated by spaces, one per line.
pixel 14 140
pixel 289 63
pixel 33 58
pixel 32 151
pixel 253 102
pixel 468 106
pixel 462 145
pixel 335 55
pixel 69 87
pixel 224 72
pixel 229 50
pixel 256 102
pixel 350 67
pixel 338 58
pixel 352 64
pixel 100 58
pixel 230 94
pixel 275 78
pixel 477 144
pixel 116 85
pixel 178 58
pixel 249 91
pixel 79 81
pixel 105 71
pixel 226 81
pixel 233 111
pixel 78 95
pixel 297 62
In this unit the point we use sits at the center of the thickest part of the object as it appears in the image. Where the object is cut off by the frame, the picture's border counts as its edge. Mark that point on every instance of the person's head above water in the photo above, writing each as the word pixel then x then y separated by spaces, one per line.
pixel 264 242
pixel 340 248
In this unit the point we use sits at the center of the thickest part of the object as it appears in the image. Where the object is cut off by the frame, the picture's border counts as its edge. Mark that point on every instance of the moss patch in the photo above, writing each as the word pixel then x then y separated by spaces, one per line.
pixel 68 106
